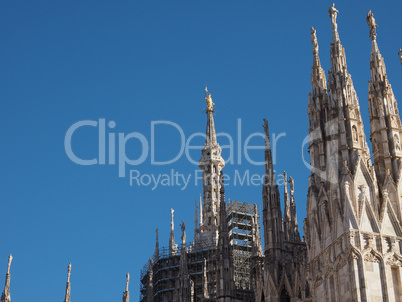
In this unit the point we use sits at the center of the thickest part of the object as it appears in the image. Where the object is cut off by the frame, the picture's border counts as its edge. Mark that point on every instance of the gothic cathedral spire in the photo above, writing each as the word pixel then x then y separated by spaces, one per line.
pixel 385 122
pixel 5 297
pixel 211 163
pixel 126 294
pixel 172 244
pixel 273 232
pixel 68 285
pixel 346 125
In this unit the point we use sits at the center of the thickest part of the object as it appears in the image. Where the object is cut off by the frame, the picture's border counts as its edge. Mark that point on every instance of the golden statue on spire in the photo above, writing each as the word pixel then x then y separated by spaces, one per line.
pixel 208 100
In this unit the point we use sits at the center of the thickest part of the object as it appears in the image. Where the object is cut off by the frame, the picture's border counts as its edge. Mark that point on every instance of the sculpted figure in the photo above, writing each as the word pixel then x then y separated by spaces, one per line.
pixel 371 23
pixel 292 184
pixel 171 219
pixel 333 12
pixel 10 258
pixel 354 134
pixel 397 143
pixel 314 38
pixel 183 231
pixel 208 100
pixel 128 280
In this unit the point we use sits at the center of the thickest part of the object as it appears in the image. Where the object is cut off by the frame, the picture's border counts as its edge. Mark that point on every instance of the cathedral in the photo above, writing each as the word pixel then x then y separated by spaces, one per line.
pixel 351 247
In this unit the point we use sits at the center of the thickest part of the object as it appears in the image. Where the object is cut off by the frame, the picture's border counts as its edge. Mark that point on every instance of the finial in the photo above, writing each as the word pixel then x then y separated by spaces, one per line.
pixel 172 219
pixel 183 232
pixel 172 244
pixel 333 13
pixel 292 185
pixel 69 272
pixel 128 280
pixel 157 240
pixel 208 100
pixel 200 213
pixel 314 41
pixel 156 253
pixel 6 297
pixel 195 217
pixel 10 258
pixel 67 296
pixel 371 23
pixel 265 126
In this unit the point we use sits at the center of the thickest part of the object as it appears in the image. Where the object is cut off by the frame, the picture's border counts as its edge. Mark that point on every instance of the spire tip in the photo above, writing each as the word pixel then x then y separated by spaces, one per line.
pixel 372 24
pixel 127 281
pixel 208 100
pixel 333 13
pixel 265 126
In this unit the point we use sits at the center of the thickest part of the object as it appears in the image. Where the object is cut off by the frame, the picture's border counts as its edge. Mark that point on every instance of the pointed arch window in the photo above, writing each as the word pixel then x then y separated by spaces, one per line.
pixel 284 297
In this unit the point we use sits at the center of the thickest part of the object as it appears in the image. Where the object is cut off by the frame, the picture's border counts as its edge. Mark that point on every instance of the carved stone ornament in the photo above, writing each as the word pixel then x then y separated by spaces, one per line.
pixel 394 261
pixel 353 256
pixel 370 257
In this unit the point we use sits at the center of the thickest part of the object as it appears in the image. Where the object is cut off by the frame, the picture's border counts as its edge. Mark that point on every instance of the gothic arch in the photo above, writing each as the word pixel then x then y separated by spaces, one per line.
pixel 284 296
pixel 355 255
pixel 393 259
pixel 285 285
pixel 371 255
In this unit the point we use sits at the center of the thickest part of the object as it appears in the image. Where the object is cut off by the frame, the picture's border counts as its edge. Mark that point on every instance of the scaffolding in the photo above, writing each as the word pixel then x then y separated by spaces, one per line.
pixel 166 268
pixel 240 225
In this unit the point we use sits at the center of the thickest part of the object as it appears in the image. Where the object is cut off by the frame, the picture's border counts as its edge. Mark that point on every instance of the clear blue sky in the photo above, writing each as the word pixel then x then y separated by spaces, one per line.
pixel 134 62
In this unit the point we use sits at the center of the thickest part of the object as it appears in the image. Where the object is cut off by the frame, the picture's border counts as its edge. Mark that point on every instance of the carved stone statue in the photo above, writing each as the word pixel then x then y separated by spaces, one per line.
pixel 354 134
pixel 183 231
pixel 397 143
pixel 371 23
pixel 172 217
pixel 333 12
pixel 128 280
pixel 314 39
pixel 10 258
pixel 69 271
pixel 292 184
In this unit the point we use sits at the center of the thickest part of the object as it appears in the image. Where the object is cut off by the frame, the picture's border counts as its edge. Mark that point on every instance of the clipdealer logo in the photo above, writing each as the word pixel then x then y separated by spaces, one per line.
pixel 113 146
